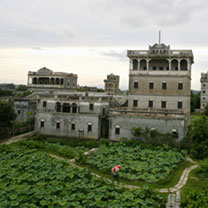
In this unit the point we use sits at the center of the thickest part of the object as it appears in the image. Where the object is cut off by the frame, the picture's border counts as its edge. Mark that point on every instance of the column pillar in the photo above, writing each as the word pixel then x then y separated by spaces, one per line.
pixel 130 64
pixel 148 60
pixel 138 64
pixel 179 65
pixel 169 60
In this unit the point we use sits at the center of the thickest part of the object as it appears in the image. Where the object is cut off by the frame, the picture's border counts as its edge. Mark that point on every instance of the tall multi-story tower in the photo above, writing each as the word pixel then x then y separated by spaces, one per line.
pixel 204 90
pixel 112 84
pixel 159 91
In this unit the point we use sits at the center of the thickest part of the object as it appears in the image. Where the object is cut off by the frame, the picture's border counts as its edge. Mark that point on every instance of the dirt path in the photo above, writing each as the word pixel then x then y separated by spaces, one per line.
pixel 17 138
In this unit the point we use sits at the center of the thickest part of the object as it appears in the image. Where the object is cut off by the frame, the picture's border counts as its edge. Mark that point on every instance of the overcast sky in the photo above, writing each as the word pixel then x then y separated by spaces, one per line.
pixel 90 37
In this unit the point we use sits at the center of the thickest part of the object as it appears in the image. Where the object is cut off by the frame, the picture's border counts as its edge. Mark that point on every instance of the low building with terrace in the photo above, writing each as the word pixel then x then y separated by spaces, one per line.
pixel 45 78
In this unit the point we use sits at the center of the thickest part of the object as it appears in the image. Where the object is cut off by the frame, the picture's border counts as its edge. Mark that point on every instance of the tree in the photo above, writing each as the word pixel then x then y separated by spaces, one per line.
pixel 196 140
pixel 7 116
pixel 195 100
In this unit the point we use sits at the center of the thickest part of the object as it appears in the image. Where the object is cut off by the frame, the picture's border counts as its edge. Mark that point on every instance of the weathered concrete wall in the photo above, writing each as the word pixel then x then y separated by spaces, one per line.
pixel 171 102
pixel 81 122
pixel 172 85
pixel 127 122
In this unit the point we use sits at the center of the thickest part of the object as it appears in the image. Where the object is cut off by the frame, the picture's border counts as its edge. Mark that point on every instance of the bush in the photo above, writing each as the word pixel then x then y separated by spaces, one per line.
pixel 203 168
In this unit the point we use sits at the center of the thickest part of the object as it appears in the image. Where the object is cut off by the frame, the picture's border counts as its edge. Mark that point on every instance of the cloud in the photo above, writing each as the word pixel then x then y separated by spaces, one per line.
pixel 121 56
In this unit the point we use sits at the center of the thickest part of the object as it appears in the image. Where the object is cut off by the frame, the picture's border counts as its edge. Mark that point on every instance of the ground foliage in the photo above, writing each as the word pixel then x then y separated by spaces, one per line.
pixel 196 140
pixel 139 161
pixel 31 179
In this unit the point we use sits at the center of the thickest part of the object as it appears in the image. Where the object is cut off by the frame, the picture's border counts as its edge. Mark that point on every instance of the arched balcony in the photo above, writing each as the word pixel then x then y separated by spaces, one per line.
pixel 174 65
pixel 158 64
pixel 134 64
pixel 66 108
pixel 184 65
pixel 58 107
pixel 143 64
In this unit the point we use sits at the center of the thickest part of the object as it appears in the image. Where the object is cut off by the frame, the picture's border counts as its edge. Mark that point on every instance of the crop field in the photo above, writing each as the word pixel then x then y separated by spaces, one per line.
pixel 138 161
pixel 32 179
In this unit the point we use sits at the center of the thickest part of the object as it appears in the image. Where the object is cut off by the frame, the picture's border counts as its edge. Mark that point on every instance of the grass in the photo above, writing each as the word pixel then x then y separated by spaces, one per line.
pixel 195 117
pixel 168 182
pixel 195 183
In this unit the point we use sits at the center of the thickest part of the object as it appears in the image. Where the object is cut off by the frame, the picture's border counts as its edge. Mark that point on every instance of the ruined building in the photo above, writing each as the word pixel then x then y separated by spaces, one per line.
pixel 45 78
pixel 112 84
pixel 204 90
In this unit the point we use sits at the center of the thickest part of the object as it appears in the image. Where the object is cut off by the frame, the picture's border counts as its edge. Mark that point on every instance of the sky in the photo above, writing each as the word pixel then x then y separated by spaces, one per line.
pixel 91 37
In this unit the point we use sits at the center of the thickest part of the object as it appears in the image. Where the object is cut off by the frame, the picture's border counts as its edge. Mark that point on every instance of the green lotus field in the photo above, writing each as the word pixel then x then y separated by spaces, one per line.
pixel 32 179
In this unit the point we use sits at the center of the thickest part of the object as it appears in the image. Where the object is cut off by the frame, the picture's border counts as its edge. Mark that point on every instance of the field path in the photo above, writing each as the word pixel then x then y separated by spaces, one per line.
pixel 17 138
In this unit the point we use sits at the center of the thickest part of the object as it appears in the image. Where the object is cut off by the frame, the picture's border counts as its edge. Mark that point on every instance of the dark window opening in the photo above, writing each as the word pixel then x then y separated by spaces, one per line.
pixel 66 108
pixel 176 68
pixel 203 98
pixel 58 107
pixel 180 105
pixel 160 68
pixel 163 104
pixel 144 68
pixel 180 86
pixel 150 103
pixel 117 130
pixel 89 128
pixel 73 126
pixel 44 104
pixel 91 106
pixel 204 85
pixel 154 67
pixel 203 91
pixel 175 133
pixel 19 112
pixel 41 124
pixel 58 125
pixel 167 68
pixel 164 85
pixel 151 85
pixel 135 103
pixel 136 85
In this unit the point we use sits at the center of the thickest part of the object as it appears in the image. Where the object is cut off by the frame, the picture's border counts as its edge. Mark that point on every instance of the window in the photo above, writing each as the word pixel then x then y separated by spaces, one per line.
pixel 203 91
pixel 180 85
pixel 91 106
pixel 144 68
pixel 204 85
pixel 73 126
pixel 203 98
pixel 151 85
pixel 180 104
pixel 89 127
pixel 150 105
pixel 117 129
pixel 164 85
pixel 176 68
pixel 66 108
pixel 154 67
pixel 167 68
pixel 175 133
pixel 19 112
pixel 135 103
pixel 41 124
pixel 163 104
pixel 160 68
pixel 136 85
pixel 57 125
pixel 44 104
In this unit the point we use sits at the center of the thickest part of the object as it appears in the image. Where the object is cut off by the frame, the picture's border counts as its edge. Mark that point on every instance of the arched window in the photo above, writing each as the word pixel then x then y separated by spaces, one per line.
pixel 57 81
pixel 174 65
pixel 58 107
pixel 74 108
pixel 117 129
pixel 52 81
pixel 66 108
pixel 184 65
pixel 62 81
pixel 175 133
pixel 135 64
pixel 35 80
pixel 143 64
